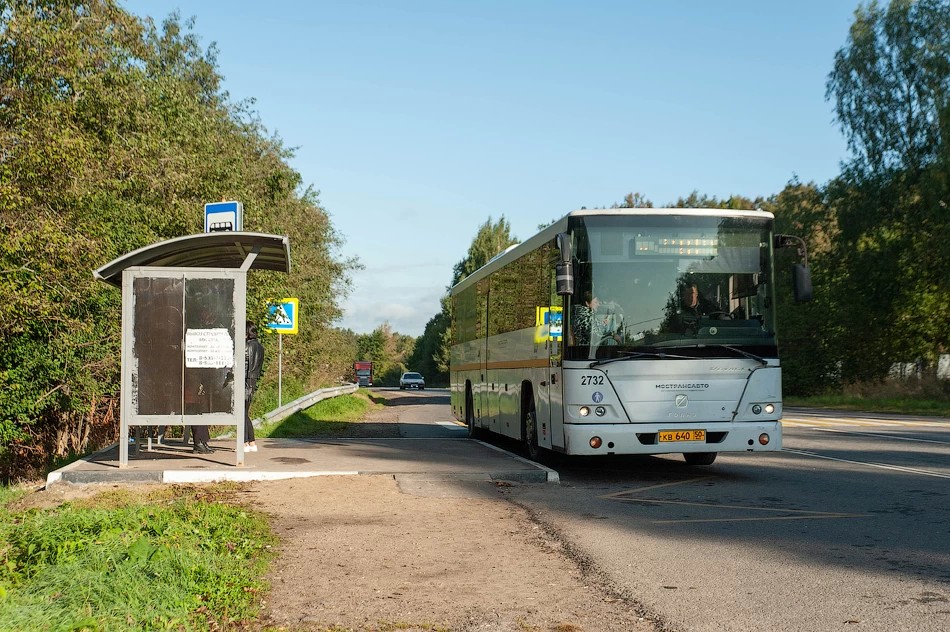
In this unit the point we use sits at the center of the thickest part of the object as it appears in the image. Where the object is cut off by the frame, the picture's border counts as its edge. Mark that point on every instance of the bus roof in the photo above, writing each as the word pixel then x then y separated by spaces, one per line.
pixel 706 212
pixel 548 233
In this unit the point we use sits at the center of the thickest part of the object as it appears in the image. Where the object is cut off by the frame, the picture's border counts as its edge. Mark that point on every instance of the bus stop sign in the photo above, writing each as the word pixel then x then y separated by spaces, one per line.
pixel 224 217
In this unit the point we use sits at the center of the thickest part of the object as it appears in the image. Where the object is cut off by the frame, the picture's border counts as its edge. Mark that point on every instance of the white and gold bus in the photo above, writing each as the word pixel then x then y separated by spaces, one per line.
pixel 627 331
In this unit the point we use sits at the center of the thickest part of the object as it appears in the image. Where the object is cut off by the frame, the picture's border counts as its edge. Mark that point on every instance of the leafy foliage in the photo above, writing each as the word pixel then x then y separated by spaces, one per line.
pixel 890 82
pixel 388 351
pixel 809 362
pixel 113 134
pixel 428 357
pixel 431 355
pixel 887 265
pixel 490 240
pixel 634 200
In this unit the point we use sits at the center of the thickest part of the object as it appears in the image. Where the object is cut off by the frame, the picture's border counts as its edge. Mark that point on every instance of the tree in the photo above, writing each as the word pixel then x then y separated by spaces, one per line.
pixel 425 356
pixel 113 134
pixel 890 83
pixel 891 88
pixel 490 240
pixel 388 351
pixel 697 200
pixel 431 354
pixel 809 362
pixel 634 200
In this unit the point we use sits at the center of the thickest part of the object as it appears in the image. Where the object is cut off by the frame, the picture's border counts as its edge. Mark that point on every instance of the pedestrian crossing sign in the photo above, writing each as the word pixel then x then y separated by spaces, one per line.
pixel 284 316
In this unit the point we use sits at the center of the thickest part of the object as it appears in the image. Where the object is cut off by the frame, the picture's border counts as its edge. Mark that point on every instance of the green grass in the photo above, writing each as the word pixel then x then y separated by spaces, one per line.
pixel 182 558
pixel 330 417
pixel 8 494
pixel 905 405
pixel 925 396
pixel 266 399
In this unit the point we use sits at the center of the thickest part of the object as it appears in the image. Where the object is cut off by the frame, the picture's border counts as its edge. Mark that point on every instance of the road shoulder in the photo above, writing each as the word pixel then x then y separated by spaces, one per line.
pixel 362 552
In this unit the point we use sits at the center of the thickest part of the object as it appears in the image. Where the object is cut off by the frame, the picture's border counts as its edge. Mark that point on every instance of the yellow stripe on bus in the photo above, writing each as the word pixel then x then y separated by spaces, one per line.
pixel 508 364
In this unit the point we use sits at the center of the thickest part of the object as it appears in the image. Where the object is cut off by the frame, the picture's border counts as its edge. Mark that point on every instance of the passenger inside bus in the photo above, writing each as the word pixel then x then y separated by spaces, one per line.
pixel 583 321
pixel 591 324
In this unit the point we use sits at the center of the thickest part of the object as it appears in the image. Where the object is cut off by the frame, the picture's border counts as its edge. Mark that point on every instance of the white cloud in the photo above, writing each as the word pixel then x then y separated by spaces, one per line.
pixel 407 309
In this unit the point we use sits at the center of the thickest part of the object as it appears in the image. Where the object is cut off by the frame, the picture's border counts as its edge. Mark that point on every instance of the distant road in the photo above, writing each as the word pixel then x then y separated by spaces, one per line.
pixel 423 414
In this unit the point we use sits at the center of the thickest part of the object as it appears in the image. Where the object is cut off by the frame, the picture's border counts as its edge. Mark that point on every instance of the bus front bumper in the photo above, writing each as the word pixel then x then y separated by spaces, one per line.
pixel 640 438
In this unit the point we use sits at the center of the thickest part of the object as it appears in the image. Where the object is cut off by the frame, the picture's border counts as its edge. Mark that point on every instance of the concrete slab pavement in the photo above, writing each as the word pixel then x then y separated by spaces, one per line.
pixel 420 458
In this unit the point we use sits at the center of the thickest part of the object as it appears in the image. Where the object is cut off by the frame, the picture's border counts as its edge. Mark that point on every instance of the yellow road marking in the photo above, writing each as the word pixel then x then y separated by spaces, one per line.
pixel 643 489
pixel 859 421
pixel 626 496
pixel 881 435
pixel 772 519
pixel 883 466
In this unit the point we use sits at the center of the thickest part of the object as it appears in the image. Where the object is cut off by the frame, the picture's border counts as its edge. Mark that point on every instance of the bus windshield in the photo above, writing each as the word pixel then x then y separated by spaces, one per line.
pixel 689 282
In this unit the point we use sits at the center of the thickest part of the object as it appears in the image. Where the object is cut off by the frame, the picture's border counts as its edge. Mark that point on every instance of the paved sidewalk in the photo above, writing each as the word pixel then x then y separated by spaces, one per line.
pixel 432 459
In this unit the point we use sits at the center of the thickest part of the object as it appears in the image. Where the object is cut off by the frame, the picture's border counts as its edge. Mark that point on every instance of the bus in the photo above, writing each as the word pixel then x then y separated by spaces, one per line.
pixel 627 331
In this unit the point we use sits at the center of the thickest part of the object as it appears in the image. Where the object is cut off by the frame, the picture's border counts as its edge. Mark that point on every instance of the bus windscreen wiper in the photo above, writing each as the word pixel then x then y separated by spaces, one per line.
pixel 639 355
pixel 741 352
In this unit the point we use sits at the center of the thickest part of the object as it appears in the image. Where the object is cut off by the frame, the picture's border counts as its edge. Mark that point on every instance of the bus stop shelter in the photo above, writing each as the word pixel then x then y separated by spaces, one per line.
pixel 183 322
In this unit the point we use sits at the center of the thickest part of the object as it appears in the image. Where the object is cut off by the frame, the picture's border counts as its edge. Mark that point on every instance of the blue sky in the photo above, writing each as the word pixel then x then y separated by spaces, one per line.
pixel 419 120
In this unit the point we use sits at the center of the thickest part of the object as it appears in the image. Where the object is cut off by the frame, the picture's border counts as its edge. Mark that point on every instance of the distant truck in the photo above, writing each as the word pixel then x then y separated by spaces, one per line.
pixel 364 373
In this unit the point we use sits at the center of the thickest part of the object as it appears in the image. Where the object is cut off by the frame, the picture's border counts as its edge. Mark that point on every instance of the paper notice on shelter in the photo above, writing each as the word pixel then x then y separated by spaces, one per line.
pixel 208 349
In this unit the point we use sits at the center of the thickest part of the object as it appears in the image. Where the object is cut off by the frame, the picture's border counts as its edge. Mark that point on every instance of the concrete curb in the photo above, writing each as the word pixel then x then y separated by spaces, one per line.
pixel 59 475
pixel 216 476
pixel 551 475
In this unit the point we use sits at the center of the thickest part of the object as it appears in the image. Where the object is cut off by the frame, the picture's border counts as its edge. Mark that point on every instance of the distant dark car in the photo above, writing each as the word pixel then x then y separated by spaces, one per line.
pixel 412 380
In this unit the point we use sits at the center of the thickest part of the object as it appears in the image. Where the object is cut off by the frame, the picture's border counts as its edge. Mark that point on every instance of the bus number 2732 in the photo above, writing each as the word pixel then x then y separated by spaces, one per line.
pixel 592 380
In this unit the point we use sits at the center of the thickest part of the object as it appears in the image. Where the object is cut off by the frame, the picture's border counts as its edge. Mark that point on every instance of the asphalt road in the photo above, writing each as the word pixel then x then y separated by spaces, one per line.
pixel 848 528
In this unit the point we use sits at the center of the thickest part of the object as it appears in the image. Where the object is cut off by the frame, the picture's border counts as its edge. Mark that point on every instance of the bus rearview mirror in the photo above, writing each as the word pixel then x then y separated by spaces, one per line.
pixel 801 283
pixel 564 247
pixel 564 270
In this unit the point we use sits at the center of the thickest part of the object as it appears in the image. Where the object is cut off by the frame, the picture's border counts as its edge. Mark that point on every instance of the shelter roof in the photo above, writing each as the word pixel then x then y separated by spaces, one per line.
pixel 206 250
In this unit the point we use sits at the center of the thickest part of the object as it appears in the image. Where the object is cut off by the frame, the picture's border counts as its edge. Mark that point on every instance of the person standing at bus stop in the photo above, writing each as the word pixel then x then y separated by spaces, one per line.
pixel 253 363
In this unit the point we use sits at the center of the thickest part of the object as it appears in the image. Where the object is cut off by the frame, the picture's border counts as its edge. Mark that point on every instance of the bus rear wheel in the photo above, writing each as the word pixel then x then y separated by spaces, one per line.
pixel 700 458
pixel 530 434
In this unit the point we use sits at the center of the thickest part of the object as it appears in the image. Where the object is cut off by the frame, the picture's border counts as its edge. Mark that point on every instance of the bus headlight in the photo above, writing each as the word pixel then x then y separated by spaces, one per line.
pixel 600 411
pixel 584 411
pixel 770 408
pixel 756 409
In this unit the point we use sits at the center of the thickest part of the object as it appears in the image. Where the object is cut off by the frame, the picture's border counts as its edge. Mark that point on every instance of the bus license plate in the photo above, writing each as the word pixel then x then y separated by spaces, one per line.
pixel 682 435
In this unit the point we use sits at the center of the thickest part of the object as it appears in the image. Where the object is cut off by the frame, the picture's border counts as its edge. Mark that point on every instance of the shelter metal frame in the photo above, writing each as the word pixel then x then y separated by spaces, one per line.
pixel 210 256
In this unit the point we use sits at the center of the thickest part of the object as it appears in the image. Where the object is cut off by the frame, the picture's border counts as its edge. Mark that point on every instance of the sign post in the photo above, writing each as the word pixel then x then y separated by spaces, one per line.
pixel 284 318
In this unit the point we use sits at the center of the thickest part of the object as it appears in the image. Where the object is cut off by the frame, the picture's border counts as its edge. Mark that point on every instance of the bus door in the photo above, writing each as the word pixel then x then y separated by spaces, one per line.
pixel 550 427
pixel 481 387
pixel 555 395
pixel 491 397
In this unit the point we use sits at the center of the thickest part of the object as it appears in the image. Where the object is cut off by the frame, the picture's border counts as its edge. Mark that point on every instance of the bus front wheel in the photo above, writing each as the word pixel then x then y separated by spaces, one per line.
pixel 700 458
